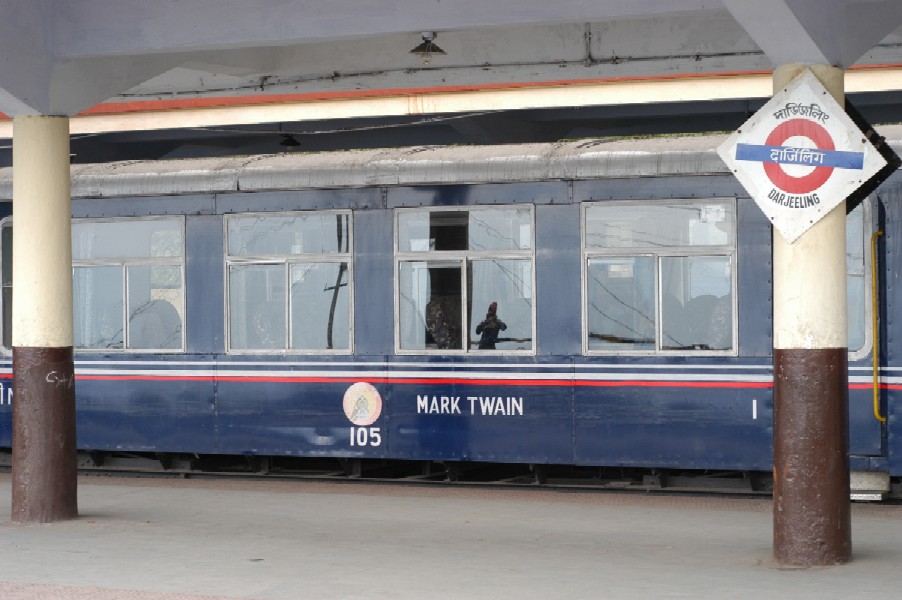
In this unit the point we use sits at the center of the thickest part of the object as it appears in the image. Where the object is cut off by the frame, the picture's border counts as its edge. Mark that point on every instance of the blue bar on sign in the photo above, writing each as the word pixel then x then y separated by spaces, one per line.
pixel 809 157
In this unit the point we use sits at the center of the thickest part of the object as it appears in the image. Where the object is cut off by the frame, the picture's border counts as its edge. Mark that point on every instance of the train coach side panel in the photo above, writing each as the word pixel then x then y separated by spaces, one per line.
pixel 299 409
pixel 144 408
pixel 675 417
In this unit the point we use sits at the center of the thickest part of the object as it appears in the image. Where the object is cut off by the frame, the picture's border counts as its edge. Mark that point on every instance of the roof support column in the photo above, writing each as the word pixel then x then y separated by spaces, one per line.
pixel 43 436
pixel 812 523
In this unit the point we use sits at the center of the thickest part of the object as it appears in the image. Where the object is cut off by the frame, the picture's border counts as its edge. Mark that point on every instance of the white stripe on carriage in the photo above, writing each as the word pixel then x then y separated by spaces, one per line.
pixel 392 374
pixel 563 377
pixel 418 365
pixel 672 377
pixel 379 368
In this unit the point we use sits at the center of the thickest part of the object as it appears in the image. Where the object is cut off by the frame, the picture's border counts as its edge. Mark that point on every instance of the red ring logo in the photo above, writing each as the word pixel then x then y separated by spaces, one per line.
pixel 815 179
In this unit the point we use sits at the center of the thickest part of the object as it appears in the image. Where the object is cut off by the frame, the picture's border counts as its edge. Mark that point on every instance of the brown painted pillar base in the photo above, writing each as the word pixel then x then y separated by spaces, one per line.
pixel 43 436
pixel 812 521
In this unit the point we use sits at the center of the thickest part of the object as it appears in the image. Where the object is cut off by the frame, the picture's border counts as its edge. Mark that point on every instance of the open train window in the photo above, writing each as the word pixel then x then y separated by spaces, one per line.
pixel 464 280
pixel 660 277
pixel 288 278
pixel 128 284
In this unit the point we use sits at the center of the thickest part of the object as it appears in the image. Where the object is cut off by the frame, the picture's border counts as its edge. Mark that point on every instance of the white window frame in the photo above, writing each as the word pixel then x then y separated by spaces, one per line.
pixel 286 260
pixel 657 254
pixel 463 258
pixel 125 263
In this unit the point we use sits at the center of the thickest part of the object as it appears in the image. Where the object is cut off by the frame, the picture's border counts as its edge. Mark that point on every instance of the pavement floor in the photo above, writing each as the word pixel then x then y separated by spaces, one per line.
pixel 193 539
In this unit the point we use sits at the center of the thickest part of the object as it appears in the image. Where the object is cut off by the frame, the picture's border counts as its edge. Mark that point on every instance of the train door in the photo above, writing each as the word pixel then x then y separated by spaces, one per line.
pixel 865 428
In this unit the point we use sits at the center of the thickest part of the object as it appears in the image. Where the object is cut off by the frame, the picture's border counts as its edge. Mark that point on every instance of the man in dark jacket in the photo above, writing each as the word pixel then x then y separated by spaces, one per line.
pixel 490 328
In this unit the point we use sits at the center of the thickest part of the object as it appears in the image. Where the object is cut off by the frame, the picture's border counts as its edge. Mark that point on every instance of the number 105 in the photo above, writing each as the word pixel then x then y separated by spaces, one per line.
pixel 366 436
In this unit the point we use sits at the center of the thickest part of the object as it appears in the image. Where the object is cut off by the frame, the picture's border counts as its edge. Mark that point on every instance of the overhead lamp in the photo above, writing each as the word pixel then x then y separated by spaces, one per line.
pixel 427 48
pixel 289 141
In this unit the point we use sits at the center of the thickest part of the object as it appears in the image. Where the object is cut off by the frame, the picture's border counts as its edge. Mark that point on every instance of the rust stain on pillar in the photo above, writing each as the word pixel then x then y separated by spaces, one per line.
pixel 812 520
pixel 43 437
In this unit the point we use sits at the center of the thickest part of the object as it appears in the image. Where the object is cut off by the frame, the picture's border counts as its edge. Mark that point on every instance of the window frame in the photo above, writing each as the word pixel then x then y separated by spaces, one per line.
pixel 463 258
pixel 657 254
pixel 286 261
pixel 125 263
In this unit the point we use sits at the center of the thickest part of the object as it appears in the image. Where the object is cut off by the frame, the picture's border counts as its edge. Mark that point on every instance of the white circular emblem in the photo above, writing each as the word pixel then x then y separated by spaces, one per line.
pixel 362 404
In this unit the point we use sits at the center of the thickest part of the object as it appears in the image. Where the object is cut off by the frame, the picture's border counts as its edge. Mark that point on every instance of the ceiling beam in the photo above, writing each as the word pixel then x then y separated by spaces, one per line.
pixel 90 28
pixel 827 32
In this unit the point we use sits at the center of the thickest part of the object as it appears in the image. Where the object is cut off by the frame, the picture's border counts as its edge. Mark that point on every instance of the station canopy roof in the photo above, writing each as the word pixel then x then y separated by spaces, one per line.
pixel 259 75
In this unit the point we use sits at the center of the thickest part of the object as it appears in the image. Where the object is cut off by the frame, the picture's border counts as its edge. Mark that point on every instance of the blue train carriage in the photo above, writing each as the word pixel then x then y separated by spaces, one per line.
pixel 602 303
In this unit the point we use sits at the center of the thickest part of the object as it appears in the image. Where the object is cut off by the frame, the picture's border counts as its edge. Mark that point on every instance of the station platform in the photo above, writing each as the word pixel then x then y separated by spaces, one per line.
pixel 192 539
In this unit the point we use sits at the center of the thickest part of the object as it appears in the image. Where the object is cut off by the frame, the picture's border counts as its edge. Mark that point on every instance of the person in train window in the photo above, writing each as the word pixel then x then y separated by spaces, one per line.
pixel 490 328
pixel 437 324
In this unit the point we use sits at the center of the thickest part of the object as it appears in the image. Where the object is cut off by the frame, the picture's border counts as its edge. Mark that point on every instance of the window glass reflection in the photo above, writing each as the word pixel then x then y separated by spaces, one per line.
pixel 501 229
pixel 649 287
pixel 257 307
pixel 500 293
pixel 697 303
pixel 288 290
pixel 98 302
pixel 621 311
pixel 617 225
pixel 137 262
pixel 123 239
pixel 320 306
pixel 154 303
pixel 265 235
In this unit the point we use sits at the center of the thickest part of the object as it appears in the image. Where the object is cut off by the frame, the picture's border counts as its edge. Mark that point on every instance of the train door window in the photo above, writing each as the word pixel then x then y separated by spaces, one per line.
pixel 857 275
pixel 288 282
pixel 128 284
pixel 659 277
pixel 465 280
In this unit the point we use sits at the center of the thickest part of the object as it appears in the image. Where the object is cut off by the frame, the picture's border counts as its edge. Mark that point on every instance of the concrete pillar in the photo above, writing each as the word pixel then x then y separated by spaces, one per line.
pixel 812 523
pixel 43 436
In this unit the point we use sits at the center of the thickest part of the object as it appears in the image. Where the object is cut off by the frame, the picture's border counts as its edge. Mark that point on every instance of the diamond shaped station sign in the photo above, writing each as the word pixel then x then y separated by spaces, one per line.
pixel 800 156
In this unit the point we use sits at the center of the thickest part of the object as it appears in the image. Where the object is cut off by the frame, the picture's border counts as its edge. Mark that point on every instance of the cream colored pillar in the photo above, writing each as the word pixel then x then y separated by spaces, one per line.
pixel 43 444
pixel 811 448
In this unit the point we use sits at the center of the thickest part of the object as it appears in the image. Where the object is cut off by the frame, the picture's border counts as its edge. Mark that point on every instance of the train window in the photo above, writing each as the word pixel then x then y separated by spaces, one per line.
pixel 6 247
pixel 659 277
pixel 128 284
pixel 98 318
pixel 288 282
pixel 465 280
pixel 621 302
pixel 696 312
